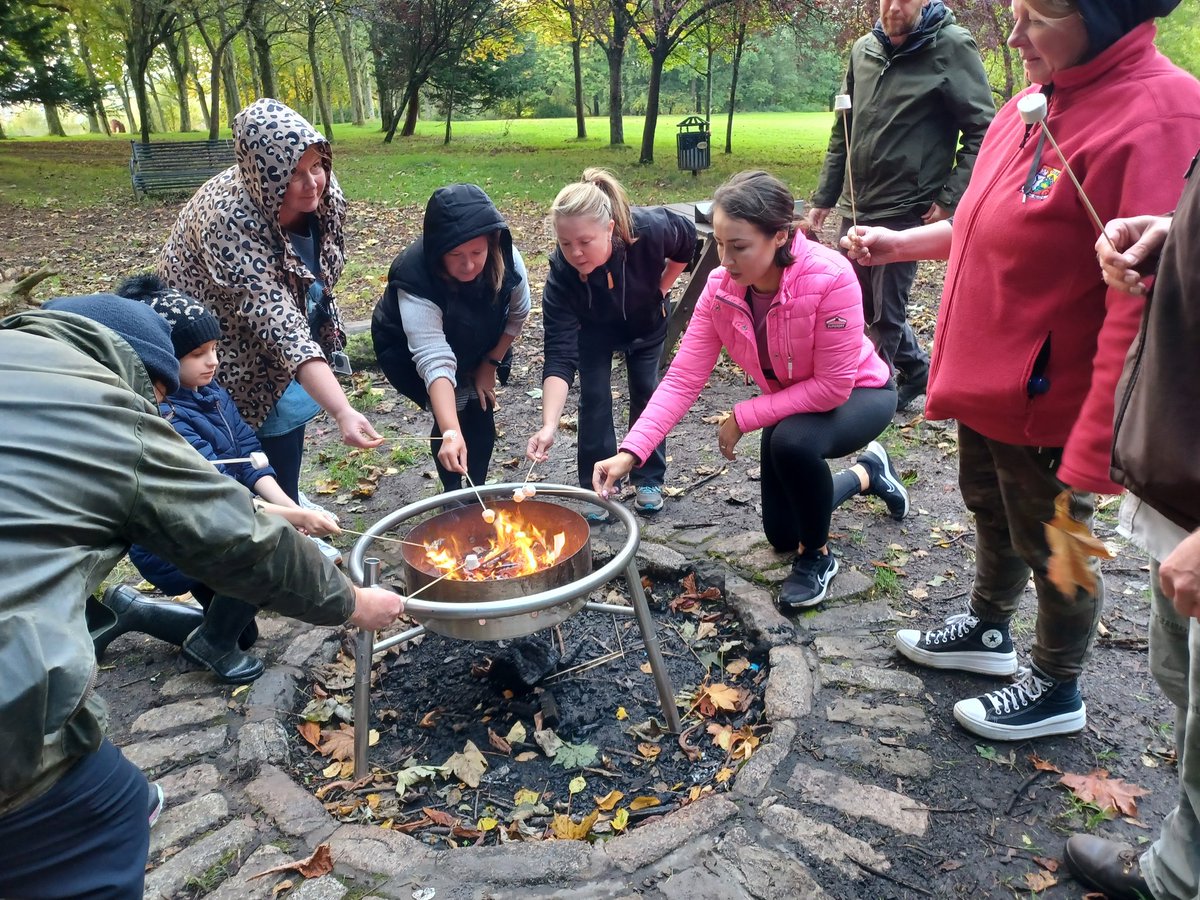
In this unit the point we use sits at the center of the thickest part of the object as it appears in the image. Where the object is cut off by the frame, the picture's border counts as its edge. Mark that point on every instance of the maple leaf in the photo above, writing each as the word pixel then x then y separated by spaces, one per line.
pixel 567 829
pixel 649 751
pixel 573 756
pixel 738 666
pixel 467 766
pixel 714 697
pixel 1039 881
pixel 1107 793
pixel 338 744
pixel 1072 544
pixel 320 863
pixel 311 732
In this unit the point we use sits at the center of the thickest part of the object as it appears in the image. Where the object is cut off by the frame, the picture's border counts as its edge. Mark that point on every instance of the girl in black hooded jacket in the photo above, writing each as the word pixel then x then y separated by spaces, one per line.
pixel 443 331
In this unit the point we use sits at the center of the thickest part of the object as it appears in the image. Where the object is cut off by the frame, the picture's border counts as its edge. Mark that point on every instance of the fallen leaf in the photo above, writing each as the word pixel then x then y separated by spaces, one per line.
pixel 1040 881
pixel 573 756
pixel 410 775
pixel 718 419
pixel 1107 793
pixel 644 803
pixel 525 756
pixel 467 766
pixel 622 714
pixel 286 885
pixel 487 823
pixel 320 863
pixel 338 744
pixel 440 817
pixel 723 775
pixel 567 829
pixel 609 800
pixel 723 697
pixel 499 743
pixel 738 666
pixel 645 667
pixel 516 734
pixel 429 720
pixel 332 769
pixel 1072 544
pixel 548 741
pixel 1050 865
pixel 649 751
pixel 951 865
pixel 620 819
pixel 578 783
pixel 1042 765
pixel 311 732
pixel 525 795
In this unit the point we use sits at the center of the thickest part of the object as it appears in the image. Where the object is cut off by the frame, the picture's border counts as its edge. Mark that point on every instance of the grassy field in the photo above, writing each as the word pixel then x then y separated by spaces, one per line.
pixel 522 159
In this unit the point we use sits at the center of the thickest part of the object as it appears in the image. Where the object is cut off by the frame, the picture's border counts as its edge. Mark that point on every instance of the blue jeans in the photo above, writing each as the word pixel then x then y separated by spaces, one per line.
pixel 597 438
pixel 86 838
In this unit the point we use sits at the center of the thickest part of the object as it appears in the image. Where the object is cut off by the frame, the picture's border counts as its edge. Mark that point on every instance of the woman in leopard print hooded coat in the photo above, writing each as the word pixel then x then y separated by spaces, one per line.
pixel 261 244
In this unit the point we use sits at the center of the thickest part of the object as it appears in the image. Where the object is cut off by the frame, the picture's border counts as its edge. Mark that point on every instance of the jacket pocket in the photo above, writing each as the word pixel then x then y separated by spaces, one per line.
pixel 1036 378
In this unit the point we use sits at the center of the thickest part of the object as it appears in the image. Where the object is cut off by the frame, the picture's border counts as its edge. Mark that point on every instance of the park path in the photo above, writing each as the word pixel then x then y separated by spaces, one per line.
pixel 233 810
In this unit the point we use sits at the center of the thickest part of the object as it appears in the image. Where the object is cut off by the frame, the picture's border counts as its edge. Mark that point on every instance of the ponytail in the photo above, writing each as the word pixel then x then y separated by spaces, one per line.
pixel 599 196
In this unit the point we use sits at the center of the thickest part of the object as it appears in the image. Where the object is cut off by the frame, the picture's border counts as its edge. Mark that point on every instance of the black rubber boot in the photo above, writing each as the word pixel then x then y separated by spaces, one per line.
pixel 204 596
pixel 214 644
pixel 123 609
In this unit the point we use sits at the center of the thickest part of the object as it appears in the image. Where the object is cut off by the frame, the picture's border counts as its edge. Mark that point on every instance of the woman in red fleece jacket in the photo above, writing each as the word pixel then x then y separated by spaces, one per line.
pixel 1030 344
pixel 788 312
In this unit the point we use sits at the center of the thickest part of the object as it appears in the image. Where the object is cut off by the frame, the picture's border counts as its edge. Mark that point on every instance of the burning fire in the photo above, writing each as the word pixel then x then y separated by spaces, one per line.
pixel 518 548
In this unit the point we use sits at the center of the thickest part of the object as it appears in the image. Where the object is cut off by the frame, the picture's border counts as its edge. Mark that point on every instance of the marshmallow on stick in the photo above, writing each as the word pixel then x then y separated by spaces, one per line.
pixel 257 459
pixel 1032 109
pixel 842 104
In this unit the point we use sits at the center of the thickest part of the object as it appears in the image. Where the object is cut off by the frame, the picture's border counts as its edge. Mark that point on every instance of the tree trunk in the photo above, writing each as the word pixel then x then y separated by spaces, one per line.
pixel 162 119
pixel 318 79
pixel 580 109
pixel 364 88
pixel 616 124
pixel 1010 76
pixel 179 69
pixel 449 111
pixel 658 58
pixel 737 63
pixel 256 88
pixel 187 57
pixel 345 33
pixel 3 136
pixel 137 76
pixel 261 44
pixel 412 109
pixel 53 122
pixel 233 101
pixel 123 93
pixel 96 110
pixel 387 100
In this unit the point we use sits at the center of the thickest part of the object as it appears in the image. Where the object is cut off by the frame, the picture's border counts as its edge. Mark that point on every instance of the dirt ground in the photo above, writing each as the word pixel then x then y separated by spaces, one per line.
pixel 987 816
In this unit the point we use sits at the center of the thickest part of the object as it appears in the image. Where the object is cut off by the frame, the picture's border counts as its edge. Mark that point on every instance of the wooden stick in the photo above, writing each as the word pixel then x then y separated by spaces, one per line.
pixel 849 169
pixel 1079 187
pixel 380 537
pixel 477 494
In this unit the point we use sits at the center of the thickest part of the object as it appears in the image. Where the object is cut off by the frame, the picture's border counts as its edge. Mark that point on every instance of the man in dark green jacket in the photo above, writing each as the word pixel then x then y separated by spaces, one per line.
pixel 89 466
pixel 920 104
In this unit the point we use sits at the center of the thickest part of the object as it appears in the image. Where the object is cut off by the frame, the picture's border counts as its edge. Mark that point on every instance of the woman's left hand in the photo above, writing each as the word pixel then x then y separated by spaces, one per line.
pixel 728 435
pixel 485 385
pixel 357 431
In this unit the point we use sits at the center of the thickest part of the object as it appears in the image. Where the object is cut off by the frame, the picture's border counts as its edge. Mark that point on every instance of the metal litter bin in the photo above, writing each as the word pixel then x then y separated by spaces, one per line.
pixel 692 144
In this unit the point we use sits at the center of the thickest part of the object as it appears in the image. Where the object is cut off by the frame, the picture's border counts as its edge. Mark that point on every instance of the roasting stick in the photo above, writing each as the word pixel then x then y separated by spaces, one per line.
pixel 461 565
pixel 380 537
pixel 842 104
pixel 257 459
pixel 489 515
pixel 1032 108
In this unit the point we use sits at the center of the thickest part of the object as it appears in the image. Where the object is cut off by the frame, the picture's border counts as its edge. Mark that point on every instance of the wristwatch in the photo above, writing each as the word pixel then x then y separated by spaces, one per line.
pixel 495 362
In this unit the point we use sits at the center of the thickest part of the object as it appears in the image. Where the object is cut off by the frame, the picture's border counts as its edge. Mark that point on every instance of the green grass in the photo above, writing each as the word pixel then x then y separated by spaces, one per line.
pixel 514 160
pixel 887 583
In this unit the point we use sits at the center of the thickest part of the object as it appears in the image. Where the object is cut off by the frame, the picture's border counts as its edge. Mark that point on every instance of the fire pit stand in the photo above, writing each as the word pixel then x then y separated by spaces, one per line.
pixel 510 617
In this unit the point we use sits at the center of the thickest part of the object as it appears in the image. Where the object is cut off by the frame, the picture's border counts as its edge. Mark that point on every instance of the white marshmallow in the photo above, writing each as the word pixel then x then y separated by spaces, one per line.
pixel 841 102
pixel 518 495
pixel 489 516
pixel 530 490
pixel 259 460
pixel 471 562
pixel 1032 108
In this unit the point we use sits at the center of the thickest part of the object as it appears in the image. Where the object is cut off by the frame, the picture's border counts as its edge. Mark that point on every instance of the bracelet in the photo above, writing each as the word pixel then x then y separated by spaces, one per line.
pixel 495 362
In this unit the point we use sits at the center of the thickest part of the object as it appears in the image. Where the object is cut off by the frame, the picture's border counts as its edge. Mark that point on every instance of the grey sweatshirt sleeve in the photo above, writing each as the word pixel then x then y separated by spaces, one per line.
pixel 518 304
pixel 426 338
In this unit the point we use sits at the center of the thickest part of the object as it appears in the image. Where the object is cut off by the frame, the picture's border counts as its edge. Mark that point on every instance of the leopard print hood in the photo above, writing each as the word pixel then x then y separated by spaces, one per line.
pixel 229 251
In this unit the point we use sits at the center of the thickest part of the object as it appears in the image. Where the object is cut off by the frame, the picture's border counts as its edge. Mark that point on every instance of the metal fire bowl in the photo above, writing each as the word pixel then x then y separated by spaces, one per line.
pixel 509 607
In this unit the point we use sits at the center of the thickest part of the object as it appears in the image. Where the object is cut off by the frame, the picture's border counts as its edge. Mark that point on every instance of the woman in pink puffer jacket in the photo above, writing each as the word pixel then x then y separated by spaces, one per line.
pixel 789 312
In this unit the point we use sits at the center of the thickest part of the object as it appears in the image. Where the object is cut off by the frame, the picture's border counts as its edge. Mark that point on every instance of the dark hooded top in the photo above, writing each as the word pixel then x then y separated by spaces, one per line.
pixel 422 305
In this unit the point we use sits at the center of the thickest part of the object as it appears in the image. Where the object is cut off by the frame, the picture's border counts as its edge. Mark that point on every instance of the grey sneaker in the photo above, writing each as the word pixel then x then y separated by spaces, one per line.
pixel 963 643
pixel 649 498
pixel 885 483
pixel 154 802
pixel 305 503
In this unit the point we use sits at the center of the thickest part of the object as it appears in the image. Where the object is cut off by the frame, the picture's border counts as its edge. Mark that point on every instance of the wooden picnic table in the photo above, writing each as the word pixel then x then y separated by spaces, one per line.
pixel 703 263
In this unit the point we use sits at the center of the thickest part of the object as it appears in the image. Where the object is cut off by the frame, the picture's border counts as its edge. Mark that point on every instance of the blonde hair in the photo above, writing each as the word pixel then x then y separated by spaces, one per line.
pixel 597 195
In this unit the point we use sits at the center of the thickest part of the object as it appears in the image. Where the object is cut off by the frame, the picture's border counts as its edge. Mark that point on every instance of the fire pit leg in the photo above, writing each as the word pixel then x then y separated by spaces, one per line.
pixel 364 649
pixel 641 608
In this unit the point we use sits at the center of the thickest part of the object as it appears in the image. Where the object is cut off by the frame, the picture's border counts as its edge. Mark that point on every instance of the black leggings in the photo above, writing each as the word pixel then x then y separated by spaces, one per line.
pixel 478 429
pixel 285 452
pixel 798 491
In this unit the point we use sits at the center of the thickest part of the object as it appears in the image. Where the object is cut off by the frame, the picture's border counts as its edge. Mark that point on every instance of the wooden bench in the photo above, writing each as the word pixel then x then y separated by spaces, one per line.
pixel 703 262
pixel 177 166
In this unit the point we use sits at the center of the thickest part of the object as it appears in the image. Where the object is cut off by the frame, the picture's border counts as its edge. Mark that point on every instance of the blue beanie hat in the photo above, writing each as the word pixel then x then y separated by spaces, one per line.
pixel 141 327
pixel 1108 21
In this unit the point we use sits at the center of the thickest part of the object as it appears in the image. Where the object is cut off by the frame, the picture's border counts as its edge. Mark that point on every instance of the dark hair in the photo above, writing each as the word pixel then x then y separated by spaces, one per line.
pixel 492 275
pixel 765 202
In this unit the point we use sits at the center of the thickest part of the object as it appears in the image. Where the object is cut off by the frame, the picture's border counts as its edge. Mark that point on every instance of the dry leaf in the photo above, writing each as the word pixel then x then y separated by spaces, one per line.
pixel 499 743
pixel 1042 765
pixel 644 803
pixel 738 666
pixel 320 863
pixel 718 419
pixel 467 766
pixel 1072 544
pixel 649 751
pixel 645 667
pixel 567 829
pixel 525 795
pixel 1050 865
pixel 1107 793
pixel 429 720
pixel 1040 881
pixel 609 800
pixel 439 817
pixel 622 714
pixel 487 823
pixel 311 732
pixel 621 819
pixel 526 756
pixel 338 744
pixel 516 734
pixel 332 769
pixel 286 885
pixel 714 697
pixel 723 775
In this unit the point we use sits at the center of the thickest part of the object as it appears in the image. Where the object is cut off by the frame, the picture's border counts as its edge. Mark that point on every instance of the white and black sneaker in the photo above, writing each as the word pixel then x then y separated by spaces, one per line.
pixel 154 803
pixel 812 571
pixel 1035 705
pixel 963 643
pixel 885 483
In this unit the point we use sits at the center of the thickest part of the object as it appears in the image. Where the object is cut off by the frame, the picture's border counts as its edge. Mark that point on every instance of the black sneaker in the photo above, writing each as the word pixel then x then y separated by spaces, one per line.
pixel 885 483
pixel 912 387
pixel 1035 705
pixel 963 643
pixel 809 582
pixel 154 803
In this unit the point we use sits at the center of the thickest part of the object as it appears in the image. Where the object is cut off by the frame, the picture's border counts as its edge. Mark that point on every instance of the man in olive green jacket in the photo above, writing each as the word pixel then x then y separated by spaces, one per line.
pixel 920 104
pixel 89 467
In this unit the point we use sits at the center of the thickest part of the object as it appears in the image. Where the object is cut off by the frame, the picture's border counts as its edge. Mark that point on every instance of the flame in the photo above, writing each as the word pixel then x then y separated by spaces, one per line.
pixel 518 548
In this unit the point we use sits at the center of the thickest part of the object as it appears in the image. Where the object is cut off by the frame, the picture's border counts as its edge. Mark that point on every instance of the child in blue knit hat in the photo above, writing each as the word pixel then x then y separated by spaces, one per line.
pixel 203 412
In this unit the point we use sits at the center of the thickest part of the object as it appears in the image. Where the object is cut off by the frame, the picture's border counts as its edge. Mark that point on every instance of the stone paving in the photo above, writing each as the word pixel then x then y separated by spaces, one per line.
pixel 791 826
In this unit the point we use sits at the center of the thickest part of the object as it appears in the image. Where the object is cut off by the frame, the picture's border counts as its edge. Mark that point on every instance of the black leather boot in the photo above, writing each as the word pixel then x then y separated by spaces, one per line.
pixel 123 609
pixel 204 596
pixel 214 644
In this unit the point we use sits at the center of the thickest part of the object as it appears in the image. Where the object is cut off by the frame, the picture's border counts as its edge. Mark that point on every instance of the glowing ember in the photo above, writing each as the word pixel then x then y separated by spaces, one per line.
pixel 517 549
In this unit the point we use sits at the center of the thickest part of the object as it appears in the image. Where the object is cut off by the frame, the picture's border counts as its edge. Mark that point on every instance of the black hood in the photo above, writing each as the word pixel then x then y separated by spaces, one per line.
pixel 934 16
pixel 1108 21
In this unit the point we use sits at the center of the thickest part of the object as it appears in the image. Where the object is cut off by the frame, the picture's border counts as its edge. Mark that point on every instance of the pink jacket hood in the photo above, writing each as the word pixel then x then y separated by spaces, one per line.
pixel 818 349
